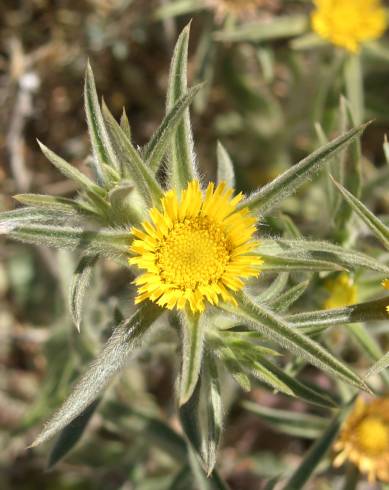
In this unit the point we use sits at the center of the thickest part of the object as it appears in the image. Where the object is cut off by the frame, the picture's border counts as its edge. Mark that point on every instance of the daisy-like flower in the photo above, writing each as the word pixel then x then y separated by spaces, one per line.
pixel 196 247
pixel 343 292
pixel 364 439
pixel 385 283
pixel 349 23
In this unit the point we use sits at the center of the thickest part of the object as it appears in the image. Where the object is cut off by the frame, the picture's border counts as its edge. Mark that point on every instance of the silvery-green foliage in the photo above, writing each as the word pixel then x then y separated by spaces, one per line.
pixel 246 340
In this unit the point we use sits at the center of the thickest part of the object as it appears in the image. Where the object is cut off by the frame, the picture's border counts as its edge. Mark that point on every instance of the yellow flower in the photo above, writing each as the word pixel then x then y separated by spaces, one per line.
pixel 343 292
pixel 195 248
pixel 348 23
pixel 385 283
pixel 364 439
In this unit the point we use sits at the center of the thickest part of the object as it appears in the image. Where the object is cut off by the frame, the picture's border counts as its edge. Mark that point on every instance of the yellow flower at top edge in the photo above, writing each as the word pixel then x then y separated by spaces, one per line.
pixel 349 23
pixel 364 439
pixel 195 248
pixel 385 283
pixel 343 292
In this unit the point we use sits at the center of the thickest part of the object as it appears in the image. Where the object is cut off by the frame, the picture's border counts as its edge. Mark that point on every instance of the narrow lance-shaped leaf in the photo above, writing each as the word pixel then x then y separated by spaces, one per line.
pixel 312 322
pixel 285 300
pixel 192 354
pixel 283 186
pixel 272 28
pixel 103 151
pixel 16 217
pixel 380 230
pixel 53 203
pixel 318 250
pixel 299 389
pixel 70 172
pixel 70 435
pixel 100 242
pixel 78 288
pixel 125 124
pixel 214 416
pixel 316 453
pixel 225 167
pixel 114 356
pixel 275 289
pixel 287 264
pixel 379 366
pixel 292 423
pixel 275 328
pixel 158 145
pixel 141 175
pixel 182 158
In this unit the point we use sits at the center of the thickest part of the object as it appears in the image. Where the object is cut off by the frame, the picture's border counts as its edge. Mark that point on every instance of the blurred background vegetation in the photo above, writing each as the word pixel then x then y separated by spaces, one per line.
pixel 261 100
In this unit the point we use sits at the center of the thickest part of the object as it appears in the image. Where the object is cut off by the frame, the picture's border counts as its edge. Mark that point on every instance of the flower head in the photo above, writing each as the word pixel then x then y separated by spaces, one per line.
pixel 343 292
pixel 385 283
pixel 195 248
pixel 364 439
pixel 348 23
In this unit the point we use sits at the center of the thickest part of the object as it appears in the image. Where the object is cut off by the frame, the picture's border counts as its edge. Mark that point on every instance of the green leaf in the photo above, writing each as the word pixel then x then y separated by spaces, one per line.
pixel 288 264
pixel 125 124
pixel 103 150
pixel 318 250
pixel 225 167
pixel 353 75
pixel 316 453
pixel 182 158
pixel 10 219
pixel 113 358
pixel 71 434
pixel 100 242
pixel 71 172
pixel 192 354
pixel 211 394
pixel 54 203
pixel 162 138
pixel 201 480
pixel 270 29
pixel 278 330
pixel 233 365
pixel 285 300
pixel 380 230
pixel 272 194
pixel 304 391
pixel 273 291
pixel 78 288
pixel 313 322
pixel 379 366
pixel 292 423
pixel 368 345
pixel 141 175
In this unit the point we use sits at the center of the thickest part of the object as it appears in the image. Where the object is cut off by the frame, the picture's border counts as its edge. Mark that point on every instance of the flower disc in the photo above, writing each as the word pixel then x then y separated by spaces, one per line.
pixel 364 439
pixel 196 248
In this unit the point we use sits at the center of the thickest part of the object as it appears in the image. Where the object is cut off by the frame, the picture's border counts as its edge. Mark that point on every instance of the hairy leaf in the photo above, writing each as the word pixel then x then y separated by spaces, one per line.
pixel 114 356
pixel 156 148
pixel 78 288
pixel 225 167
pixel 103 150
pixel 182 158
pixel 192 354
pixel 283 186
pixel 275 328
